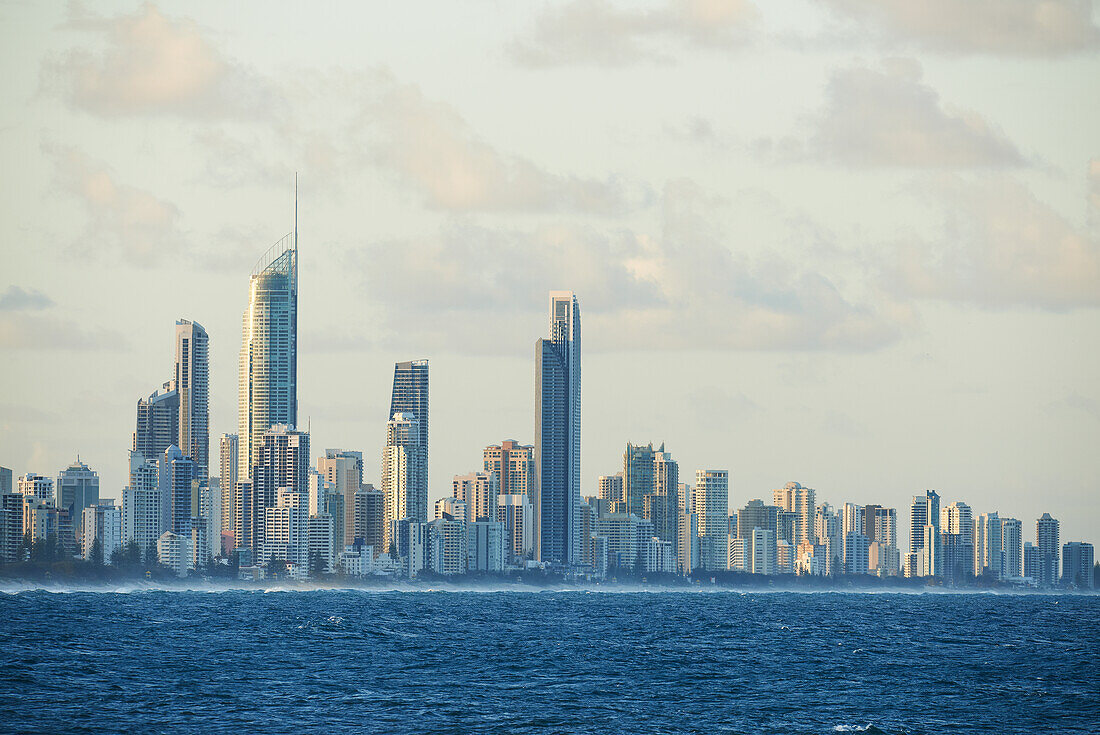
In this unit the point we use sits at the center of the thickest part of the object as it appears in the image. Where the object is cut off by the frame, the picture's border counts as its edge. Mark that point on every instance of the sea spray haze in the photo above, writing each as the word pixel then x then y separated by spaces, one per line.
pixel 563 661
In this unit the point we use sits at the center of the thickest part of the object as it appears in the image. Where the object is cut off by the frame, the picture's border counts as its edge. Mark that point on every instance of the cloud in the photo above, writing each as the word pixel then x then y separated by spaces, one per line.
pixel 682 288
pixel 22 331
pixel 152 65
pixel 122 217
pixel 429 145
pixel 999 246
pixel 17 299
pixel 890 118
pixel 1000 27
pixel 598 32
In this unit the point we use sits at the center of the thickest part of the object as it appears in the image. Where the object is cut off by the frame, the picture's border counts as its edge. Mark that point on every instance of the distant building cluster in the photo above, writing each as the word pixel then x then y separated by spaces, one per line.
pixel 265 509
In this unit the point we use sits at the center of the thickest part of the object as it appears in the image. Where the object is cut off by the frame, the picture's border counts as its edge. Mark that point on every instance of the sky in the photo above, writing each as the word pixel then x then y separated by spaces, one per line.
pixel 849 243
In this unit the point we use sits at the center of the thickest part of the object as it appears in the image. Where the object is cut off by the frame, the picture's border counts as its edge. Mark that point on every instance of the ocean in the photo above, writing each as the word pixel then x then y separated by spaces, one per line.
pixel 280 661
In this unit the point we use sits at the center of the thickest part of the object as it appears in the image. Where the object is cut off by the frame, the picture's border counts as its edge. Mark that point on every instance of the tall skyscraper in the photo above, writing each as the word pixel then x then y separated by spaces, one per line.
pixel 638 475
pixel 799 500
pixel 192 380
pixel 514 464
pixel 282 463
pixel 141 504
pixel 711 497
pixel 410 394
pixel 177 497
pixel 268 388
pixel 344 470
pixel 988 546
pixel 229 446
pixel 404 472
pixel 1012 547
pixel 157 422
pixel 925 511
pixel 77 489
pixel 1046 540
pixel 558 432
pixel 957 518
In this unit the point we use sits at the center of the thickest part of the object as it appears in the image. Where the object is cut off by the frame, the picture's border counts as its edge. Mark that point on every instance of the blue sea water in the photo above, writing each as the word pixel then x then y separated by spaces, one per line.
pixel 552 661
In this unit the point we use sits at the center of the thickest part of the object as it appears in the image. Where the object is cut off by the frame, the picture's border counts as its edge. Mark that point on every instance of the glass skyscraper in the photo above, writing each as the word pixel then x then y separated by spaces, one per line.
pixel 269 351
pixel 558 433
pixel 192 379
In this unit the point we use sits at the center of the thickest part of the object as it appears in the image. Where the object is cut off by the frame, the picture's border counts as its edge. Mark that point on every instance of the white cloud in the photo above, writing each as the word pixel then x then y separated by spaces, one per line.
pixel 19 299
pixel 680 288
pixel 121 217
pixel 152 64
pixel 890 118
pixel 1002 27
pixel 598 32
pixel 1000 246
pixel 429 145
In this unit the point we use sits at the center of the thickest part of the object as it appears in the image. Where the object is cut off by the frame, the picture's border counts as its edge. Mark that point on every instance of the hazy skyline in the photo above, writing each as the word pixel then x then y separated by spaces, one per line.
pixel 851 244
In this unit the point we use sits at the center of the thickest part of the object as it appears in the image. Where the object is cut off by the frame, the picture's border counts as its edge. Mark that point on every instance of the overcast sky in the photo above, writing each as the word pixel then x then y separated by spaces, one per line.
pixel 850 243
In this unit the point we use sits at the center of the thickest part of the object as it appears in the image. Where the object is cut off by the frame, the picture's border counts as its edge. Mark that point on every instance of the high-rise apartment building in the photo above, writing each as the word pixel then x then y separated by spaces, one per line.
pixel 517 515
pixel 799 500
pixel 1077 561
pixel 610 488
pixel 102 522
pixel 229 450
pixel 479 491
pixel 924 511
pixel 282 462
pixel 141 504
pixel 957 518
pixel 514 464
pixel 988 546
pixel 157 422
pixel 343 469
pixel 178 503
pixel 404 472
pixel 192 381
pixel 410 395
pixel 711 496
pixel 268 380
pixel 77 488
pixel 1011 548
pixel 558 432
pixel 32 485
pixel 1047 541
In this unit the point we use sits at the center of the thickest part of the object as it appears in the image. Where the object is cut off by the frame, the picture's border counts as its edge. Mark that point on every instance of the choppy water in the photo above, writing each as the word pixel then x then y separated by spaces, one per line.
pixel 517 662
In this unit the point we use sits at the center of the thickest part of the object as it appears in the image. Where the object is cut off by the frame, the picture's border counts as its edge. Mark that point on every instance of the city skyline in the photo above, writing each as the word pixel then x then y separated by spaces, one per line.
pixel 768 284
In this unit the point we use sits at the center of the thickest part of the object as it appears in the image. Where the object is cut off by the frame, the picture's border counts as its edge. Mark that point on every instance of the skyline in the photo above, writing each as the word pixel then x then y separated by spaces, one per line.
pixel 994 402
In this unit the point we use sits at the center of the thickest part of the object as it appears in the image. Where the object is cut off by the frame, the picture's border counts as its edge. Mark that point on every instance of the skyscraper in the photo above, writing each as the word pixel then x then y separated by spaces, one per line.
pixel 268 388
pixel 711 496
pixel 77 489
pixel 141 504
pixel 1046 539
pixel 799 500
pixel 404 472
pixel 344 470
pixel 157 422
pixel 410 394
pixel 558 432
pixel 1012 548
pixel 230 468
pixel 514 464
pixel 192 380
pixel 282 463
pixel 177 501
